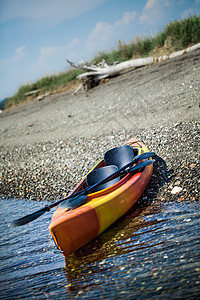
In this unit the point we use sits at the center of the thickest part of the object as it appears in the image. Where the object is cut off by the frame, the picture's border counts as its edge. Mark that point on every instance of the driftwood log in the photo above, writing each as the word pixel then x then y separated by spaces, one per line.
pixel 95 73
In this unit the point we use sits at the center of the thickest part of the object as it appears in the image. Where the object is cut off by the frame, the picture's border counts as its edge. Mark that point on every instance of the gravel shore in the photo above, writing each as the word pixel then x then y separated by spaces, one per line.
pixel 48 145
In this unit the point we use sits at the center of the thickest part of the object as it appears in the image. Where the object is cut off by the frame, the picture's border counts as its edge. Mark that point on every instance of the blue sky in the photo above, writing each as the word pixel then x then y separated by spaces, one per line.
pixel 36 36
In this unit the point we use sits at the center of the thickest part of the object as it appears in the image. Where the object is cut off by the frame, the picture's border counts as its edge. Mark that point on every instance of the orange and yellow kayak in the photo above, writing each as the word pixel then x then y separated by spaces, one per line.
pixel 73 229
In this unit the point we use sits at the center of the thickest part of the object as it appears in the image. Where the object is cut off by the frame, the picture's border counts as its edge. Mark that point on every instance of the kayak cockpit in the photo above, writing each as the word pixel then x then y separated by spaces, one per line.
pixel 114 159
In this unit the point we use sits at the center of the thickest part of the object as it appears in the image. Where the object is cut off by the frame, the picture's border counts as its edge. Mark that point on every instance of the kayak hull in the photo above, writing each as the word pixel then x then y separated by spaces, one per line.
pixel 73 229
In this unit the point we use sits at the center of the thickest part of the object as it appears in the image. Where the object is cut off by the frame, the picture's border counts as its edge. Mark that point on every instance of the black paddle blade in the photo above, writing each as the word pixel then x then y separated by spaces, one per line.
pixel 73 202
pixel 28 218
pixel 142 165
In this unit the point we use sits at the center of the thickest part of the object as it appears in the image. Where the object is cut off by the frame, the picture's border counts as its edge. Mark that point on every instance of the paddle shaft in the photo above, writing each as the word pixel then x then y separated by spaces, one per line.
pixel 110 177
pixel 74 195
pixel 82 195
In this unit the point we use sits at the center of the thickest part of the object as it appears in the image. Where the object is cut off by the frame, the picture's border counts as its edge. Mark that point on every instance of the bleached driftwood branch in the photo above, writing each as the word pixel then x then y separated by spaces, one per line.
pixel 95 73
pixel 109 71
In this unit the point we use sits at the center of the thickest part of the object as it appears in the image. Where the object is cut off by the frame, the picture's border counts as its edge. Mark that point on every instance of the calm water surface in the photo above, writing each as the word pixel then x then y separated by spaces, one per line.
pixel 151 253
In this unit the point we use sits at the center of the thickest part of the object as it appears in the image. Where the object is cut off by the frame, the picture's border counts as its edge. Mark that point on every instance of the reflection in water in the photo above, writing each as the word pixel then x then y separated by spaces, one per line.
pixel 151 253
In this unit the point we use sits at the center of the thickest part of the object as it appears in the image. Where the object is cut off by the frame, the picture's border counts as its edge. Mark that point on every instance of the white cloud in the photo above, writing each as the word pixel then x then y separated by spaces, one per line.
pixel 72 44
pixel 54 57
pixel 188 12
pixel 17 56
pixel 20 51
pixel 104 32
pixel 150 4
pixel 48 56
pixel 45 11
pixel 154 10
pixel 126 20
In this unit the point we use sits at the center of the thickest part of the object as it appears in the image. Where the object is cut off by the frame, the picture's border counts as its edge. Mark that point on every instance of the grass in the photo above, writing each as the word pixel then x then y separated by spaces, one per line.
pixel 177 35
pixel 42 86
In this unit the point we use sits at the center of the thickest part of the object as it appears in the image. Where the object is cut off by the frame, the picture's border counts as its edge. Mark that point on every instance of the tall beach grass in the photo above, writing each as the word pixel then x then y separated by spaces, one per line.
pixel 42 86
pixel 178 35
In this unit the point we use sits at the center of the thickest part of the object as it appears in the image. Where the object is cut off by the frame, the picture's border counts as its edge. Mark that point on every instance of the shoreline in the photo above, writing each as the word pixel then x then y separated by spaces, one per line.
pixel 47 146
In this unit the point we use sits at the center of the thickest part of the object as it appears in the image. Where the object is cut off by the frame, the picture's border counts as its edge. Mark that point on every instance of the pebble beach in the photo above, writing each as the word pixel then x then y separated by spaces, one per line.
pixel 47 146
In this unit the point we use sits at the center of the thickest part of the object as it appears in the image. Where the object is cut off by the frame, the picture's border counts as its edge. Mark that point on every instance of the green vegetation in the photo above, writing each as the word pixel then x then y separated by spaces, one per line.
pixel 42 86
pixel 175 36
pixel 179 34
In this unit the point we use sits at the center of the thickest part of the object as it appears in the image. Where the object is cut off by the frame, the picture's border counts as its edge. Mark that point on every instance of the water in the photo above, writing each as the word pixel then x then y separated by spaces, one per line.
pixel 151 253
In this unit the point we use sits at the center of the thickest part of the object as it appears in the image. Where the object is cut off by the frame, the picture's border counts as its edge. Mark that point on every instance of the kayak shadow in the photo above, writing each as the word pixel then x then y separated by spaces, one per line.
pixel 161 175
pixel 107 243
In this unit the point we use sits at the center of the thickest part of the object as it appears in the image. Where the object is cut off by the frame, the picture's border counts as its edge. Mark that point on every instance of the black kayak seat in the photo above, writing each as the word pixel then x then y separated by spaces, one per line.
pixel 119 156
pixel 99 174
